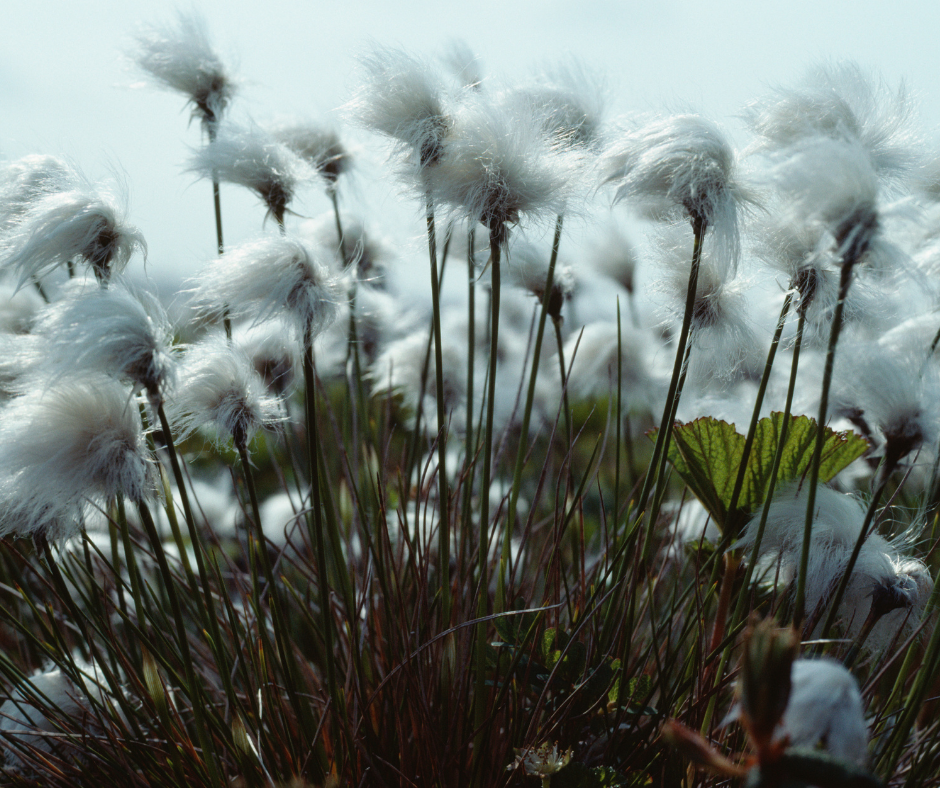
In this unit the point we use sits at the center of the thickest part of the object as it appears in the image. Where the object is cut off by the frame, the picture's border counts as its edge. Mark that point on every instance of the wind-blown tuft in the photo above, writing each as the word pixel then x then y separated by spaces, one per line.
pixel 180 57
pixel 76 445
pixel 498 167
pixel 275 275
pixel 29 179
pixel 220 389
pixel 319 146
pixel 681 166
pixel 249 156
pixel 403 98
pixel 116 331
pixel 83 223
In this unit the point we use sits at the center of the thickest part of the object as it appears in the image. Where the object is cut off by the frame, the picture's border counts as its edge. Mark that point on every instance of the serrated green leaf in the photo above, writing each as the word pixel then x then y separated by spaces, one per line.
pixel 707 455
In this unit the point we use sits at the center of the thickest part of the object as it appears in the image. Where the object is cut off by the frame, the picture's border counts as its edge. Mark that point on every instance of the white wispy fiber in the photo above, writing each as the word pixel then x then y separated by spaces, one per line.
pixel 319 146
pixel 277 275
pixel 251 157
pixel 179 56
pixel 895 393
pixel 841 102
pixel 40 710
pixel 594 365
pixel 274 355
pixel 528 269
pixel 463 61
pixel 825 710
pixel 83 223
pixel 77 444
pixel 883 583
pixel 18 308
pixel 498 166
pixel 220 390
pixel 723 344
pixel 405 99
pixel 24 181
pixel 361 251
pixel 569 101
pixel 120 331
pixel 400 366
pixel 830 188
pixel 677 167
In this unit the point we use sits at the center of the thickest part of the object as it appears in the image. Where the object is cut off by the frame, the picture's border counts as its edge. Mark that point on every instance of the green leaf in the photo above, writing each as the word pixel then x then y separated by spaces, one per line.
pixel 707 454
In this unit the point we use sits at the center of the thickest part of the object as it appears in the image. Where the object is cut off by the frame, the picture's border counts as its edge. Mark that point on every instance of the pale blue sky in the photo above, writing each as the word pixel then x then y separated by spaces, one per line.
pixel 65 86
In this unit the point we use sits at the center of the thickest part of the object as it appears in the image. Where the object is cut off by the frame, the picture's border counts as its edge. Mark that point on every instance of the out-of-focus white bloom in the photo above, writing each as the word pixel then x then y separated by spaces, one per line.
pixel 528 268
pixel 251 157
pixel 840 102
pixel 497 167
pixel 46 705
pixel 362 252
pixel 594 365
pixel 220 389
pixel 883 584
pixel 568 100
pixel 677 167
pixel 18 308
pixel 614 256
pixel 319 146
pixel 723 345
pixel 824 709
pixel 180 57
pixel 277 275
pixel 82 222
pixel 78 443
pixel 465 64
pixel 119 332
pixel 403 98
pixel 274 355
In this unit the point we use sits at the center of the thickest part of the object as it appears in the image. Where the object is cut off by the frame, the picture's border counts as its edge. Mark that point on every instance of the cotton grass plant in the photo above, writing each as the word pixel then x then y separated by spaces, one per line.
pixel 356 539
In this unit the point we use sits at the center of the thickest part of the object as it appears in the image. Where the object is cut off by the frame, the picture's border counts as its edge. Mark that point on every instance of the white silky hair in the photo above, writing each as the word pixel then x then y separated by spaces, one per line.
pixel 24 720
pixel 219 389
pixel 269 277
pixel 120 331
pixel 28 179
pixel 837 524
pixel 179 56
pixel 317 144
pixel 84 222
pixel 76 444
pixel 249 156
pixel 681 166
pixel 842 102
pixel 499 167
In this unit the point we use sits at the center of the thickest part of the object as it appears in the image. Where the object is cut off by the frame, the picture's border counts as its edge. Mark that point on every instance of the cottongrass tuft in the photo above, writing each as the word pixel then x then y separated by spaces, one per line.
pixel 677 167
pixel 251 157
pixel 85 222
pixel 26 180
pixel 320 146
pixel 122 332
pixel 277 275
pixel 180 57
pixel 76 445
pixel 498 167
pixel 890 588
pixel 220 390
pixel 403 98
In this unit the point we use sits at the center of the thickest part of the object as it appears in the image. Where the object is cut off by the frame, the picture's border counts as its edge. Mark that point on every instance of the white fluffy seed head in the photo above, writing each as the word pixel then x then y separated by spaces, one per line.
pixel 27 180
pixel 277 275
pixel 681 166
pixel 881 578
pixel 498 167
pixel 318 145
pixel 361 252
pixel 84 223
pixel 251 157
pixel 841 102
pixel 118 331
pixel 179 56
pixel 528 269
pixel 403 98
pixel 76 444
pixel 220 390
